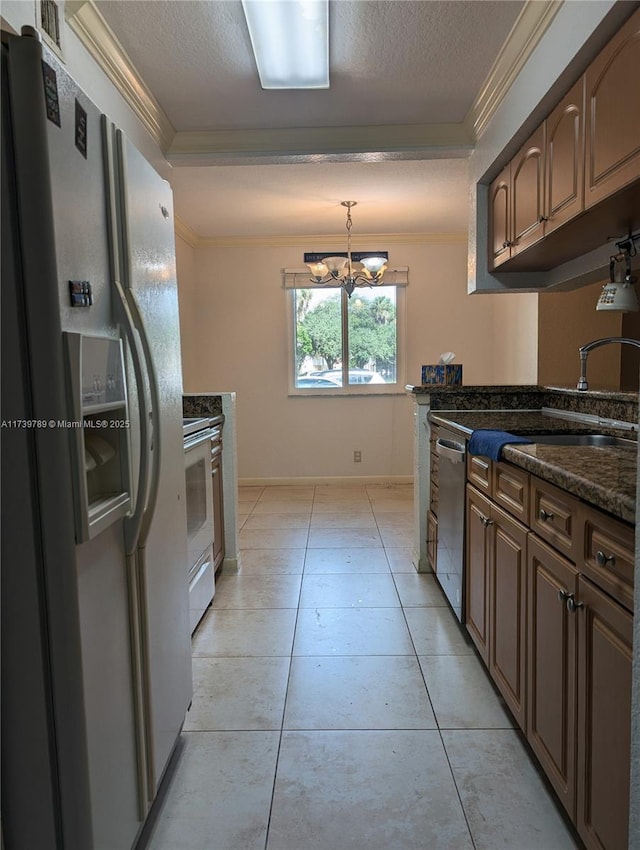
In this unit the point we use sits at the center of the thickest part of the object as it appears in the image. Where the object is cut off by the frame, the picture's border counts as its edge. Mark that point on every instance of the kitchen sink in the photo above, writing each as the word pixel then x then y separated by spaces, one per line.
pixel 581 440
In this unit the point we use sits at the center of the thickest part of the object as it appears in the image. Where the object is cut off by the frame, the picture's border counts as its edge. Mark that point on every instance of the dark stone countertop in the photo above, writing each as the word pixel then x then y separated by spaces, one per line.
pixel 602 476
pixel 195 404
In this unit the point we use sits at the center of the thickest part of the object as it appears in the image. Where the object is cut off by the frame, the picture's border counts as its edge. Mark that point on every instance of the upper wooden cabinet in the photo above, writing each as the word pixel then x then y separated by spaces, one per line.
pixel 516 201
pixel 576 182
pixel 564 172
pixel 527 193
pixel 500 218
pixel 613 115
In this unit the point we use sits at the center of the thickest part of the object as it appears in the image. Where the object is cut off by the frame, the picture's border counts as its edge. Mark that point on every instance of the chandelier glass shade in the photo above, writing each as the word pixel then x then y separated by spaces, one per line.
pixel 348 270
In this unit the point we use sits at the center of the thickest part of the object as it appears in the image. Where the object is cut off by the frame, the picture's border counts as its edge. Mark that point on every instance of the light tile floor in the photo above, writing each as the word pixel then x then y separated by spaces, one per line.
pixel 338 705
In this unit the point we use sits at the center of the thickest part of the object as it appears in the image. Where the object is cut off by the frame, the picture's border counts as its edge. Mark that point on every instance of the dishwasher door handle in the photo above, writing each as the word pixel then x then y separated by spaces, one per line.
pixel 454 452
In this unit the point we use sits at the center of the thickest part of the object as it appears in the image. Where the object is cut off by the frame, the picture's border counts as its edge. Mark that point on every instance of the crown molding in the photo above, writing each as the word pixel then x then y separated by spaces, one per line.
pixel 313 143
pixel 87 23
pixel 184 232
pixel 326 241
pixel 303 144
pixel 530 26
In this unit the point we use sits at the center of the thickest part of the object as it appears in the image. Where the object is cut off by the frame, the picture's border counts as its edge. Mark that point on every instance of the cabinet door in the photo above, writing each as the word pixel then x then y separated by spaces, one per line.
pixel 218 510
pixel 613 115
pixel 564 160
pixel 507 610
pixel 527 193
pixel 604 719
pixel 432 541
pixel 499 219
pixel 551 667
pixel 477 571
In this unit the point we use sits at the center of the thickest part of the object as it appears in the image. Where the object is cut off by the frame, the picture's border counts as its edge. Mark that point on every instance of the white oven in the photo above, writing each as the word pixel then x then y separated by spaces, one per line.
pixel 199 493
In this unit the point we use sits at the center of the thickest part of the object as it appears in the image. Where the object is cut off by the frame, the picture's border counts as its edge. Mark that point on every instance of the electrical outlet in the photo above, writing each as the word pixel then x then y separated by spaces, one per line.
pixel 357 457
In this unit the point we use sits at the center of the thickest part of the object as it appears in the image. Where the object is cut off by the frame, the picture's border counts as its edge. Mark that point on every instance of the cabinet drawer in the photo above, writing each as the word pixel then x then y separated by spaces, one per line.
pixel 554 516
pixel 479 473
pixel 511 490
pixel 609 555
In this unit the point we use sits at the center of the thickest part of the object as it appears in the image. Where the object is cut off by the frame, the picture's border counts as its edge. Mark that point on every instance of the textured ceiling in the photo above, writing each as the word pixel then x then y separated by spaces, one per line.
pixel 392 62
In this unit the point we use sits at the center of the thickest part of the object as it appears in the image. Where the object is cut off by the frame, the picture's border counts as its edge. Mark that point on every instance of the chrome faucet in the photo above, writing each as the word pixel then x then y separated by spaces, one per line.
pixel 585 349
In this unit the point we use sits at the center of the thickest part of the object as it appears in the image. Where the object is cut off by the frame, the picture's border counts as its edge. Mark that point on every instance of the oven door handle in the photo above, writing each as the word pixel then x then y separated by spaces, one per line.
pixel 197 440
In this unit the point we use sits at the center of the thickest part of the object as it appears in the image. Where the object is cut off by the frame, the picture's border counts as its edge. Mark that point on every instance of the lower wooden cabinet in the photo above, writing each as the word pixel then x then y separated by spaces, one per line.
pixel 557 646
pixel 478 510
pixel 579 695
pixel 605 635
pixel 507 610
pixel 552 667
pixel 432 541
pixel 496 597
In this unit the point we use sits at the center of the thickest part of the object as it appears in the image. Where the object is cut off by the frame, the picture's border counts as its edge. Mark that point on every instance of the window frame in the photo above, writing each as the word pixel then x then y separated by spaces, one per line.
pixel 397 388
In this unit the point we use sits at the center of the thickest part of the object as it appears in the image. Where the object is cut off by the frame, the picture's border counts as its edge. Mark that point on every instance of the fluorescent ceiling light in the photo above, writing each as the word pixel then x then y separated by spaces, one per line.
pixel 290 40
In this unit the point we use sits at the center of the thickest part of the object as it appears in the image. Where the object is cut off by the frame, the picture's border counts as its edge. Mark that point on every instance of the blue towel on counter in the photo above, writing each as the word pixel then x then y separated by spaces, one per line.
pixel 489 443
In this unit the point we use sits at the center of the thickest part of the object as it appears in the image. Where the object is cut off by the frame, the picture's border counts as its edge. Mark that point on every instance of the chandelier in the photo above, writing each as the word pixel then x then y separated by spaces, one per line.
pixel 351 269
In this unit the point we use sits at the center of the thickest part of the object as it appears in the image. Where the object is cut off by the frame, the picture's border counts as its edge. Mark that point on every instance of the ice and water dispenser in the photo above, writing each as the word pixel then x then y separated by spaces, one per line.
pixel 99 426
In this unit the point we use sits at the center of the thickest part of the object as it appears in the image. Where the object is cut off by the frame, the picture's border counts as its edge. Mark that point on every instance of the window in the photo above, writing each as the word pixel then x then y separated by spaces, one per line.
pixel 344 345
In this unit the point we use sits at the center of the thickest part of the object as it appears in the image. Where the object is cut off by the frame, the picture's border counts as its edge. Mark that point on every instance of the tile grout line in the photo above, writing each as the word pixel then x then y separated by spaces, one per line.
pixel 286 691
pixel 435 716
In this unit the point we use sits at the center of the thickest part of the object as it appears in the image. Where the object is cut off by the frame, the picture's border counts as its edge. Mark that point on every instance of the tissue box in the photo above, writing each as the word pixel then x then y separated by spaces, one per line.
pixel 444 374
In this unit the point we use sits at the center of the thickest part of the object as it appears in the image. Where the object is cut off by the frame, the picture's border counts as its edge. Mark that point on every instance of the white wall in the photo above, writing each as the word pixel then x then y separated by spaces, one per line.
pixel 187 303
pixel 238 341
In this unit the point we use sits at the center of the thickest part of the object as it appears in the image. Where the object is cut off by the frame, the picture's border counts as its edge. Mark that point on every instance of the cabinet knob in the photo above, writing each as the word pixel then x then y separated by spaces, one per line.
pixel 572 605
pixel 543 218
pixel 602 560
pixel 485 521
pixel 507 244
pixel 543 516
pixel 562 596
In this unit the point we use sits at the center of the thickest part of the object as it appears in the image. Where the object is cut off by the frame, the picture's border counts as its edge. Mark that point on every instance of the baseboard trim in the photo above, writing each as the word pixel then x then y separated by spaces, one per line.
pixel 230 566
pixel 344 480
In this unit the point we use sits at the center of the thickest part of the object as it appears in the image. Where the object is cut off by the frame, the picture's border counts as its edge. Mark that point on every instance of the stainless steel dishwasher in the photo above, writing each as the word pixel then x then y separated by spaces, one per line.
pixel 451 451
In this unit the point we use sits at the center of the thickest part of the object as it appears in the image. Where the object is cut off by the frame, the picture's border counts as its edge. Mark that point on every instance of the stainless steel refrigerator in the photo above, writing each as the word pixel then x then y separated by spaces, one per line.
pixel 96 653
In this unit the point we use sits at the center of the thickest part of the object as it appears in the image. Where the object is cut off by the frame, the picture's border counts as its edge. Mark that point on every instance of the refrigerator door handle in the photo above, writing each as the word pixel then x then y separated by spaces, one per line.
pixel 155 444
pixel 152 451
pixel 132 523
